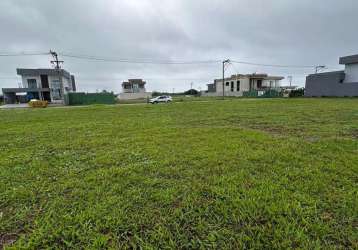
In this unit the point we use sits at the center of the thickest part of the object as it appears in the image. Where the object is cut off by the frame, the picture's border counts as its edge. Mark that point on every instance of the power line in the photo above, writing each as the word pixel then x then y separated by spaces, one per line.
pixel 122 79
pixel 153 61
pixel 125 60
pixel 235 69
pixel 24 54
pixel 149 61
pixel 273 65
pixel 148 79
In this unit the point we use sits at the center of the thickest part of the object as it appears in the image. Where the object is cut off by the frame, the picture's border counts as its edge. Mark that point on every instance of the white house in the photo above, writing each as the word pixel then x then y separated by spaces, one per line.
pixel 236 85
pixel 350 68
pixel 134 89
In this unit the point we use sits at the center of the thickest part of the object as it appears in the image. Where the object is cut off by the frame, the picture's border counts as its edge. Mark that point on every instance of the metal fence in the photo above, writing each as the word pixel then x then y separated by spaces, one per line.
pixel 89 98
pixel 263 94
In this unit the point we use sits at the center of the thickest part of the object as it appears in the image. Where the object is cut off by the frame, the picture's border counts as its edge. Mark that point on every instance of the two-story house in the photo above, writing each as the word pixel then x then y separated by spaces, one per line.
pixel 236 85
pixel 134 89
pixel 42 84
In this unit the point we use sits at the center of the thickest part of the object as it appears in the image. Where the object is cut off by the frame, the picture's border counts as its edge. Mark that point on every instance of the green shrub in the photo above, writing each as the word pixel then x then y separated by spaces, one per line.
pixel 297 92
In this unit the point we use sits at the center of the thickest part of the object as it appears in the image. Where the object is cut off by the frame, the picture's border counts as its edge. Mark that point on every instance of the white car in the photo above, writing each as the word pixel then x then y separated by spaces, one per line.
pixel 160 99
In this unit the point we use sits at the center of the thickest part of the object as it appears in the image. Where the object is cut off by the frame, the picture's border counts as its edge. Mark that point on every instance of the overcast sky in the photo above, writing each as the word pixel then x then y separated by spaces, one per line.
pixel 289 32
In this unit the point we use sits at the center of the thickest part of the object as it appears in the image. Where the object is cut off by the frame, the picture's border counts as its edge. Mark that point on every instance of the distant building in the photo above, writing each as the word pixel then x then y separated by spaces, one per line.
pixel 43 84
pixel 336 83
pixel 286 90
pixel 236 85
pixel 134 89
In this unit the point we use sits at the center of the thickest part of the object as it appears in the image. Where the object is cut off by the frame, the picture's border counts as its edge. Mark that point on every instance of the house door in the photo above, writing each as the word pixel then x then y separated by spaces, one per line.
pixel 44 81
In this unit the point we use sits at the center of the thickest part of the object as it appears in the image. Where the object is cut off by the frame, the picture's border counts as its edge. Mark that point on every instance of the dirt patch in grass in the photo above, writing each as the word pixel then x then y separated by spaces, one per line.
pixel 7 239
pixel 279 131
pixel 273 129
pixel 351 133
pixel 354 133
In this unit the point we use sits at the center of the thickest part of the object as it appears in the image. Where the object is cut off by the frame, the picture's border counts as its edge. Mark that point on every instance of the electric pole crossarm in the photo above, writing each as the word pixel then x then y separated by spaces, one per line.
pixel 56 62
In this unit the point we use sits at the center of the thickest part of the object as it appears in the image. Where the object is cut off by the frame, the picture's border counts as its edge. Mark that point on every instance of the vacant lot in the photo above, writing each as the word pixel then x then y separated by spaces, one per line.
pixel 217 174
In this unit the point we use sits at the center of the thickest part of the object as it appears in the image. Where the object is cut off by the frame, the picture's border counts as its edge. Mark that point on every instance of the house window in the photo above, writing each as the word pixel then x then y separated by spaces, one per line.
pixel 32 84
pixel 259 84
pixel 227 84
pixel 271 84
pixel 232 86
pixel 238 86
pixel 56 90
pixel 135 88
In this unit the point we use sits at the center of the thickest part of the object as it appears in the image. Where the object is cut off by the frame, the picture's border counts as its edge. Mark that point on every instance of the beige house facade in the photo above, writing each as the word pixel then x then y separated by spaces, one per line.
pixel 236 85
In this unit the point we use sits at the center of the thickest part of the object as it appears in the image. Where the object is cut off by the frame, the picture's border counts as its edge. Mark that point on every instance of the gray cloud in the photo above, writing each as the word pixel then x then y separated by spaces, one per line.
pixel 265 31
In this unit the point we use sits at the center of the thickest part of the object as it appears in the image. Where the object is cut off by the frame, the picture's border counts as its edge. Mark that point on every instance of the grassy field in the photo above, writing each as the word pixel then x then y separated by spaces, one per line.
pixel 280 173
pixel 176 98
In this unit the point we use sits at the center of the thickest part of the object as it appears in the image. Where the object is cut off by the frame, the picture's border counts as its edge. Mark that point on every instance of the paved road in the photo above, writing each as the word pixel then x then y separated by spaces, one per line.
pixel 25 105
pixel 14 106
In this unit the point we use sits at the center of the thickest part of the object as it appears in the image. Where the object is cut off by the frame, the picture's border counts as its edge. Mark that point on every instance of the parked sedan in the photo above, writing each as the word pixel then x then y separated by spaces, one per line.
pixel 159 99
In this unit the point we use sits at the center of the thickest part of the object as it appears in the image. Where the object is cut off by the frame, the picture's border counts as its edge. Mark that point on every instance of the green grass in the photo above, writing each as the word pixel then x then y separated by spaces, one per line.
pixel 134 101
pixel 251 173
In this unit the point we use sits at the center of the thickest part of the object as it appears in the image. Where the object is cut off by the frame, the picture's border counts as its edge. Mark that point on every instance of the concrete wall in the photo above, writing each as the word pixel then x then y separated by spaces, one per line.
pixel 271 83
pixel 215 94
pixel 211 88
pixel 25 78
pixel 67 84
pixel 133 96
pixel 351 71
pixel 244 86
pixel 330 84
pixel 137 90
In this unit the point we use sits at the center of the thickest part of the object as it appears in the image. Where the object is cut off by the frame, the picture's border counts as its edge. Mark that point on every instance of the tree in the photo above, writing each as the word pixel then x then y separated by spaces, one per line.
pixel 297 92
pixel 191 92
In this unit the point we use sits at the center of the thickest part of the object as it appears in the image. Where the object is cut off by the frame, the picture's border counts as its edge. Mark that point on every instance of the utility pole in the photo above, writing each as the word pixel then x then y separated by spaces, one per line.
pixel 56 62
pixel 290 79
pixel 57 65
pixel 224 63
